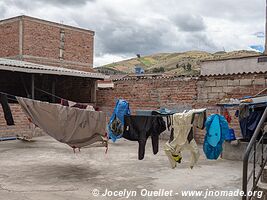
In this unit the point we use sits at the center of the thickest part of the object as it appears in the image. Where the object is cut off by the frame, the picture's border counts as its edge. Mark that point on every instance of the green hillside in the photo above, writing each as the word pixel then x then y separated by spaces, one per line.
pixel 186 63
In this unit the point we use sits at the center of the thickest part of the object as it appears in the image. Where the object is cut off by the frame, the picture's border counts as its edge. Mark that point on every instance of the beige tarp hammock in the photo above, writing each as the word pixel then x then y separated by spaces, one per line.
pixel 73 126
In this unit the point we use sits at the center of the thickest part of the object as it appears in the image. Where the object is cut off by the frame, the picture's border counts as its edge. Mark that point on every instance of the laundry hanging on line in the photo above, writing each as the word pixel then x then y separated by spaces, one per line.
pixel 249 119
pixel 216 129
pixel 139 128
pixel 183 136
pixel 75 127
pixel 227 115
pixel 65 102
pixel 6 109
pixel 116 122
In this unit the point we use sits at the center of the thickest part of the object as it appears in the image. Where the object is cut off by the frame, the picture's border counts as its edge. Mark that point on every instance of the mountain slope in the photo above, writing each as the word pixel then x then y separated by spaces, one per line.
pixel 186 63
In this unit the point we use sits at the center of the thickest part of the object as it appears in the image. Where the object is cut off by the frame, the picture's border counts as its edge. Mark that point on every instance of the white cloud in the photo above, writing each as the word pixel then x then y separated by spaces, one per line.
pixel 107 59
pixel 124 28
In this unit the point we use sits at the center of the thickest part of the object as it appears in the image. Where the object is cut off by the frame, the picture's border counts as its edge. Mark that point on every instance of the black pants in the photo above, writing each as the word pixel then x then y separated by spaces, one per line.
pixel 139 128
pixel 6 110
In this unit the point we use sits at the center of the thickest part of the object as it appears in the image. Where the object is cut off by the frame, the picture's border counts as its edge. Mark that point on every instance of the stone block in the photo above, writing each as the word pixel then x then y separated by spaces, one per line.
pixel 221 82
pixel 216 89
pixel 210 83
pixel 228 89
pixel 260 81
pixel 213 95
pixel 245 82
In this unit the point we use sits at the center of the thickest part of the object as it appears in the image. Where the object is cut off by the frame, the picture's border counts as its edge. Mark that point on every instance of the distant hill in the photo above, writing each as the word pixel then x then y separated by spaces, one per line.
pixel 186 63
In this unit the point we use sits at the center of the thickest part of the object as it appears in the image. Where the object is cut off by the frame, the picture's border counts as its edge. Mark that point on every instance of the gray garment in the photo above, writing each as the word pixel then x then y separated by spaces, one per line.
pixel 73 126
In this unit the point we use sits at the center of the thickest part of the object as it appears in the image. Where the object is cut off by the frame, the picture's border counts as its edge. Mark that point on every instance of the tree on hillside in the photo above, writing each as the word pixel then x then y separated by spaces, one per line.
pixel 158 70
pixel 188 67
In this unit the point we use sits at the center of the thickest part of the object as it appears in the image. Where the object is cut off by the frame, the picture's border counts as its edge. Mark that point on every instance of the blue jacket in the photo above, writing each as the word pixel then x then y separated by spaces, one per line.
pixel 213 142
pixel 116 122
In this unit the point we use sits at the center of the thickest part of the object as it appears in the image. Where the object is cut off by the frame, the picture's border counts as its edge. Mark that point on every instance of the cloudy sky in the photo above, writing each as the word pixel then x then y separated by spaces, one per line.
pixel 126 27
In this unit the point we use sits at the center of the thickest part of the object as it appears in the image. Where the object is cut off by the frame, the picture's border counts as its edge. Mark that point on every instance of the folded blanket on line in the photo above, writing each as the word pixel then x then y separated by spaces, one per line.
pixel 73 126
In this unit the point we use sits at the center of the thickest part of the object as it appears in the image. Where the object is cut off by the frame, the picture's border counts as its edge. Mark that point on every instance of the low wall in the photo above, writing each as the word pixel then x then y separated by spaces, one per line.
pixel 147 94
pixel 182 93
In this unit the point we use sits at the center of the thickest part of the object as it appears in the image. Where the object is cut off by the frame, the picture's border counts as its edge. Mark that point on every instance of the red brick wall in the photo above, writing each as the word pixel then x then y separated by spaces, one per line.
pixel 41 43
pixel 9 39
pixel 22 126
pixel 79 46
pixel 181 93
pixel 150 94
pixel 40 40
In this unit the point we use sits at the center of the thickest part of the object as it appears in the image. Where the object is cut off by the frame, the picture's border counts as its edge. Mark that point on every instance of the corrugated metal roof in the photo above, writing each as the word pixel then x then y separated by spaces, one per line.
pixel 128 78
pixel 233 74
pixel 117 76
pixel 156 76
pixel 230 58
pixel 27 67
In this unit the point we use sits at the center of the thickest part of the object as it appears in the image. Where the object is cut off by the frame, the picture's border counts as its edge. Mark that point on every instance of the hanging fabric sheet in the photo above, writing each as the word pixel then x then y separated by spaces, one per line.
pixel 73 126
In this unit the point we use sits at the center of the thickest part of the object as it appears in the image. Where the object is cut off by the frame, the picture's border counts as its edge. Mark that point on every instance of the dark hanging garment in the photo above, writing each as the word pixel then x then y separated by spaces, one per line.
pixel 6 110
pixel 248 123
pixel 64 102
pixel 139 128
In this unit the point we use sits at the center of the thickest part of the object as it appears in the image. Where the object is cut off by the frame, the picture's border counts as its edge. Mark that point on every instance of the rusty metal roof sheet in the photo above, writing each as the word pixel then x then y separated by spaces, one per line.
pixel 155 76
pixel 184 77
pixel 27 67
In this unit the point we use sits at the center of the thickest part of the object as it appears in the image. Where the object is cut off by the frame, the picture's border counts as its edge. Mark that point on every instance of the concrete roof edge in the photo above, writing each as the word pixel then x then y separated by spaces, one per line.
pixel 234 58
pixel 21 17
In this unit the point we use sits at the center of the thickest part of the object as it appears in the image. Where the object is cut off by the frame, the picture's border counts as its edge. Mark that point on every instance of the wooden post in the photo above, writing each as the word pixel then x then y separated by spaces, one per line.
pixel 32 86
pixel 53 90
pixel 93 91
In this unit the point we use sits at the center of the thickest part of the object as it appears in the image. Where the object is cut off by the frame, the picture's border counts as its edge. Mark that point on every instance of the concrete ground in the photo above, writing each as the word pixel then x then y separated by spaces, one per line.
pixel 46 169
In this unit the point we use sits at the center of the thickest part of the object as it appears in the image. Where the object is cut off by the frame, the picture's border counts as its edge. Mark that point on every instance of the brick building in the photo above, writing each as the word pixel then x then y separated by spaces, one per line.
pixel 34 57
pixel 43 42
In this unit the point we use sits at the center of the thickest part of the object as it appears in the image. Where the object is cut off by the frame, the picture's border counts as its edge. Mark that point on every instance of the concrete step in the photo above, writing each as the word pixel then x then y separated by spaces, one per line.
pixel 235 150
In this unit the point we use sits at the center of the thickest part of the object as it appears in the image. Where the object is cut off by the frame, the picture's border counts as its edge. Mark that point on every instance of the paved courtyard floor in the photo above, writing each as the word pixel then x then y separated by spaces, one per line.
pixel 46 169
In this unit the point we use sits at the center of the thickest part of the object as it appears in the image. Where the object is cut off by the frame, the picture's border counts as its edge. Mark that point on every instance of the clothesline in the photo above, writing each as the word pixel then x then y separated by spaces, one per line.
pixel 53 95
pixel 82 128
pixel 13 97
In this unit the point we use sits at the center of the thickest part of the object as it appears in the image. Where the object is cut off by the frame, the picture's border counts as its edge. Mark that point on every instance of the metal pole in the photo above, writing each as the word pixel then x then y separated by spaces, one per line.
pixel 32 86
pixel 248 150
